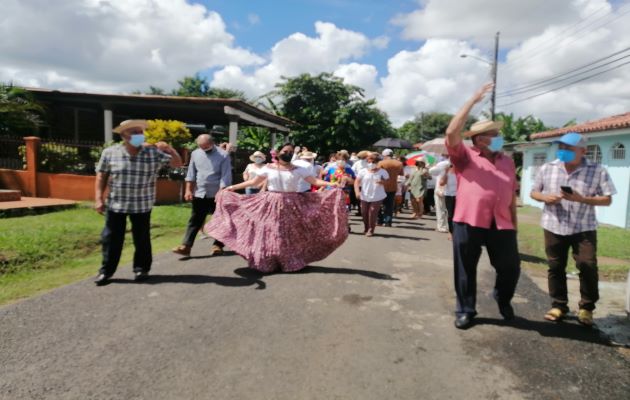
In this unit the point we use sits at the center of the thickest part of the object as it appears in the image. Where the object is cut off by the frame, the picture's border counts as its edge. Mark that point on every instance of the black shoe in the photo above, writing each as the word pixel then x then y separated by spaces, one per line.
pixel 463 321
pixel 140 276
pixel 101 280
pixel 506 311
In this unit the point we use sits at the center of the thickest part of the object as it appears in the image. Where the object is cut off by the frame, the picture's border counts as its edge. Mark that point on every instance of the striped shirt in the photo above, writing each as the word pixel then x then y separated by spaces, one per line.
pixel 570 217
pixel 131 178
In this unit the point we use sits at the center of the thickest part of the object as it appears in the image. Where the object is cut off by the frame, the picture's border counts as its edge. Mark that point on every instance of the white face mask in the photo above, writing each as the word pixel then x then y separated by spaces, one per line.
pixel 259 160
pixel 371 165
pixel 341 164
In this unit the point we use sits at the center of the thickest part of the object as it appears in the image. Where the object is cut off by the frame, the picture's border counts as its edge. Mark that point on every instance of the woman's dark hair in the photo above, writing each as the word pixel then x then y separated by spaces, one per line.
pixel 420 163
pixel 285 144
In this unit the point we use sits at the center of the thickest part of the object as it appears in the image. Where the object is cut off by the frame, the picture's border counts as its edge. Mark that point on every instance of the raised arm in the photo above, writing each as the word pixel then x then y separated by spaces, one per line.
pixel 455 127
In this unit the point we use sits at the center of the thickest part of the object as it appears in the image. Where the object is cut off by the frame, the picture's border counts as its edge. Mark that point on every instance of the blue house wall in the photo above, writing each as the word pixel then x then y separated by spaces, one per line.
pixel 618 213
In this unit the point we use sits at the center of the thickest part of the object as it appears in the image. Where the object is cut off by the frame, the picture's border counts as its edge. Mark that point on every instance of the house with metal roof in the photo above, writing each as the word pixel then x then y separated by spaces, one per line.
pixel 608 144
pixel 91 116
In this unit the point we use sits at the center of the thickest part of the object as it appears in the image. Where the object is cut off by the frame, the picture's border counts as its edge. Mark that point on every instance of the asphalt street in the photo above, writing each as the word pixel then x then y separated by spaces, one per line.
pixel 372 321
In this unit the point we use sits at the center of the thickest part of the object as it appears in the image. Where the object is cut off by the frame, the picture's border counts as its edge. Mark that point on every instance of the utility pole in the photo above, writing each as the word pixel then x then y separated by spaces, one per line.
pixel 494 76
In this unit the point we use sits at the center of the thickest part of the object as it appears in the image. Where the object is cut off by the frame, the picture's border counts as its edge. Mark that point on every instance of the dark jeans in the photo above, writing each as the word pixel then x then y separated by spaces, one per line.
pixel 503 252
pixel 113 238
pixel 250 190
pixel 429 200
pixel 450 210
pixel 386 214
pixel 201 207
pixel 584 249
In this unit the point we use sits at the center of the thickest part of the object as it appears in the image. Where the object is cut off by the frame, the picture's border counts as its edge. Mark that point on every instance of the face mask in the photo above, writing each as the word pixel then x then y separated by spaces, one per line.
pixel 341 164
pixel 136 140
pixel 286 157
pixel 258 160
pixel 371 165
pixel 496 144
pixel 565 155
pixel 209 149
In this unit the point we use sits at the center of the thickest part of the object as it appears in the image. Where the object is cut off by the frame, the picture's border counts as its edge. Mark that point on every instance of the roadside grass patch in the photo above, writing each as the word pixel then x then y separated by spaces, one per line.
pixel 41 252
pixel 613 251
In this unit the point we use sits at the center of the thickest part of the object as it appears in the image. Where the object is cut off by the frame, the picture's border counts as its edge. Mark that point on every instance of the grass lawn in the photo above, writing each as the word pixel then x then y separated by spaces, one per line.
pixel 42 252
pixel 613 252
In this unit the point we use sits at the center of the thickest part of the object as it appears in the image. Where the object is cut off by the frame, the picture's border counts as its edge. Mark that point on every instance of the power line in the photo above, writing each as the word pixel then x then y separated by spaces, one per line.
pixel 563 31
pixel 564 43
pixel 559 78
pixel 563 86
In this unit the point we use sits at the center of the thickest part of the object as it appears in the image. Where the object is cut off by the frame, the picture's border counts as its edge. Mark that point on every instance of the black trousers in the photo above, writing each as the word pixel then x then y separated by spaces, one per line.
pixel 201 207
pixel 503 252
pixel 450 210
pixel 429 200
pixel 113 239
pixel 584 248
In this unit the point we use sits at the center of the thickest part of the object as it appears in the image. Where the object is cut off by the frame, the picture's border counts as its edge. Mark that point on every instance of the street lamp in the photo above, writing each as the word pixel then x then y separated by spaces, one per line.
pixel 493 65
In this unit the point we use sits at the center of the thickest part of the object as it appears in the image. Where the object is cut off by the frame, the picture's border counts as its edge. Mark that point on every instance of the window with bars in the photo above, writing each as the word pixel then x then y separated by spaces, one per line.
pixel 618 151
pixel 539 160
pixel 594 153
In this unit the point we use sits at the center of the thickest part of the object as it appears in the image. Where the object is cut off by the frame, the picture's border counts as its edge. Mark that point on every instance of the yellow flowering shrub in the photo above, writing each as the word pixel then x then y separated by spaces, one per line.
pixel 172 132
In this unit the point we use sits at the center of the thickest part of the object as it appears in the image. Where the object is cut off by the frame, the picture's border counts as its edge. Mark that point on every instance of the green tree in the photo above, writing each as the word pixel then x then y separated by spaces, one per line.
pixel 254 138
pixel 519 129
pixel 197 86
pixel 330 114
pixel 20 114
pixel 427 126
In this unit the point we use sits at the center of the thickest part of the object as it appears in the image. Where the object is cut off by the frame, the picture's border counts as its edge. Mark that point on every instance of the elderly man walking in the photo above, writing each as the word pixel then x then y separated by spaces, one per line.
pixel 394 169
pixel 130 170
pixel 210 170
pixel 485 214
pixel 571 186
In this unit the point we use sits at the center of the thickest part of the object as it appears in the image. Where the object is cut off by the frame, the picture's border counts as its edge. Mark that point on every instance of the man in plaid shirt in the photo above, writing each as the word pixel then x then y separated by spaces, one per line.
pixel 571 186
pixel 130 170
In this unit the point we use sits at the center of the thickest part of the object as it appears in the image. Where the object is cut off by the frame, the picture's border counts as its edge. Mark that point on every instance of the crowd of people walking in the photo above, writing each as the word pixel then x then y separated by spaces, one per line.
pixel 287 189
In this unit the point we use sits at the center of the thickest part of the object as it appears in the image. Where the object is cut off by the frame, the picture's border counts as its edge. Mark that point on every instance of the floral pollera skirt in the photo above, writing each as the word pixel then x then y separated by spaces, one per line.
pixel 286 231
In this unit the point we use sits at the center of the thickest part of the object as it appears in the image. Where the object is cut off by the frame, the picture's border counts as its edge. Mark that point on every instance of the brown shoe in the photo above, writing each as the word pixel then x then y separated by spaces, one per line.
pixel 182 250
pixel 216 250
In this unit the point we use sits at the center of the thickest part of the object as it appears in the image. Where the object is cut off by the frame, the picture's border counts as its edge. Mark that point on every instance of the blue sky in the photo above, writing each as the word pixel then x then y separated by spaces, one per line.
pixel 120 46
pixel 281 18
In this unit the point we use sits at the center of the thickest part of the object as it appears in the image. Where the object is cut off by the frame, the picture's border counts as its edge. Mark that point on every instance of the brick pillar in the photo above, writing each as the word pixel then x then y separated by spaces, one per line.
pixel 32 153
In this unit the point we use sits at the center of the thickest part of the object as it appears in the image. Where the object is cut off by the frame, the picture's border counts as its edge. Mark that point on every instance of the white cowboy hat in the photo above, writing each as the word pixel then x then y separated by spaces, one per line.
pixel 130 124
pixel 308 155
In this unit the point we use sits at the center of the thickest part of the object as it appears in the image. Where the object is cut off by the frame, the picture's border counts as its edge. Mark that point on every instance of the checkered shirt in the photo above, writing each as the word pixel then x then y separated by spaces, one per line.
pixel 570 217
pixel 131 178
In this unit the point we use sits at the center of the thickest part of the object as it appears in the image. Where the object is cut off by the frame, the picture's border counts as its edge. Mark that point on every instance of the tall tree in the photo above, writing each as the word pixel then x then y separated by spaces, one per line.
pixel 427 126
pixel 20 114
pixel 519 129
pixel 330 114
pixel 198 86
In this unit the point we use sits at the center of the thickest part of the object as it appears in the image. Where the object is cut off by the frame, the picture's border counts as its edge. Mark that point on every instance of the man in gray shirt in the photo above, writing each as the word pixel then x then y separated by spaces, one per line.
pixel 209 171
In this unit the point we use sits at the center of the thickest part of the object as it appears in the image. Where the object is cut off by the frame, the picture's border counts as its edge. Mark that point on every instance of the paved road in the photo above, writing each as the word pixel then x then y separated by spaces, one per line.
pixel 373 321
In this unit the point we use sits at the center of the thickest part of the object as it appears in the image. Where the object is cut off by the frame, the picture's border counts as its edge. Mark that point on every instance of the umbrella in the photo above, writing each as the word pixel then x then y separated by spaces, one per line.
pixel 423 155
pixel 438 146
pixel 393 143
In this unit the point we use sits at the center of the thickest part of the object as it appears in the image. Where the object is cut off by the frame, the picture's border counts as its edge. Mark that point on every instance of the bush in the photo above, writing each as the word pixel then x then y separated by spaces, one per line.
pixel 172 132
pixel 54 157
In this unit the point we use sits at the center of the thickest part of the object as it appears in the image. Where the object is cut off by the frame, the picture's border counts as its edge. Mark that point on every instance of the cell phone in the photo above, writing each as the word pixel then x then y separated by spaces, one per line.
pixel 566 189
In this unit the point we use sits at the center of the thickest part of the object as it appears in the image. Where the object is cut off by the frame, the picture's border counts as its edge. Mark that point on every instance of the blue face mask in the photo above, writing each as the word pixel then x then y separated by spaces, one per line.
pixel 496 144
pixel 136 140
pixel 565 155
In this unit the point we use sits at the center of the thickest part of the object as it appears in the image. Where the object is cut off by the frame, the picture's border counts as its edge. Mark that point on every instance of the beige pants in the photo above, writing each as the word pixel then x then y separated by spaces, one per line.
pixel 441 215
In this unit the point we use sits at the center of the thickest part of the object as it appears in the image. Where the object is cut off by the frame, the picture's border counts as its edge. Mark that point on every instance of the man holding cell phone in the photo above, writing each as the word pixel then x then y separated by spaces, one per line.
pixel 571 186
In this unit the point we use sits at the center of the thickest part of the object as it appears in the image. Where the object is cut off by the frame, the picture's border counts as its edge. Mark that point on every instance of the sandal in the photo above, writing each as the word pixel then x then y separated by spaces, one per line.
pixel 585 317
pixel 555 314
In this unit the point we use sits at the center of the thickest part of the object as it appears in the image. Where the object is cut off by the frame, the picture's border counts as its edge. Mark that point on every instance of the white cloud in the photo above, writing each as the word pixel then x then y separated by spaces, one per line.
pixel 298 54
pixel 361 75
pixel 253 19
pixel 116 45
pixel 478 20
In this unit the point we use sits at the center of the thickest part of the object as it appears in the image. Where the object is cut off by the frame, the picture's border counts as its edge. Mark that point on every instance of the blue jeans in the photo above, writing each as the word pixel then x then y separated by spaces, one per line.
pixel 386 215
pixel 251 190
pixel 113 239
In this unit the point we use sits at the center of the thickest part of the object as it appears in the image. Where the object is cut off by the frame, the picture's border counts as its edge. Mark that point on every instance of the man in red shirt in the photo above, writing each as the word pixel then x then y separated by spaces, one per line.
pixel 486 214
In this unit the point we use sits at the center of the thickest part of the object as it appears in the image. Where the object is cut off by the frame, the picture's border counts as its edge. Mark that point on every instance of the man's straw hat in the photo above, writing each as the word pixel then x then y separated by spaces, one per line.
pixel 483 126
pixel 130 124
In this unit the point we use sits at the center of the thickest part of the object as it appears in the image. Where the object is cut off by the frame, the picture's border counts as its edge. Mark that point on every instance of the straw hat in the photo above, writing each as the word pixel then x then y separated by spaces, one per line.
pixel 130 124
pixel 483 126
pixel 308 155
pixel 257 154
pixel 363 154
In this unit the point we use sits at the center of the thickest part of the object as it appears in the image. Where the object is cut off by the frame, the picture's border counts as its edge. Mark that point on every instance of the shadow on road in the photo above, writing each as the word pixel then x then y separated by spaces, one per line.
pixel 253 274
pixel 226 253
pixel 200 279
pixel 563 330
pixel 394 236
